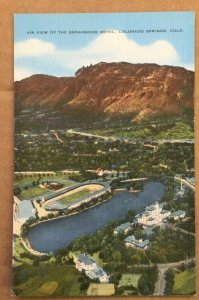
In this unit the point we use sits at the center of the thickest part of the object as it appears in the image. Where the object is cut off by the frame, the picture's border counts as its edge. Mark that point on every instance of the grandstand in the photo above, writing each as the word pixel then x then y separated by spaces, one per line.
pixel 55 201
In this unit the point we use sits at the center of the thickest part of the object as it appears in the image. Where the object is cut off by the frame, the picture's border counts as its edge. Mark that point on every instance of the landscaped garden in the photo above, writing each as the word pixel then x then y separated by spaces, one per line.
pixel 33 185
pixel 32 192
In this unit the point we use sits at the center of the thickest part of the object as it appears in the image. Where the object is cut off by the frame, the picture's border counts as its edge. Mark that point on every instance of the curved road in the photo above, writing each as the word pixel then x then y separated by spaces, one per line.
pixel 58 138
pixel 162 268
pixel 130 140
pixel 185 182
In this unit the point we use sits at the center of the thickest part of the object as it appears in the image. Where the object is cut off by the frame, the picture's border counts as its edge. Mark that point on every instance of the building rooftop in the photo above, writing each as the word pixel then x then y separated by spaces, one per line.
pixel 139 243
pixel 178 213
pixel 148 231
pixel 130 238
pixel 25 210
pixel 151 208
pixel 151 219
pixel 98 272
pixel 123 227
pixel 86 259
pixel 192 180
pixel 165 212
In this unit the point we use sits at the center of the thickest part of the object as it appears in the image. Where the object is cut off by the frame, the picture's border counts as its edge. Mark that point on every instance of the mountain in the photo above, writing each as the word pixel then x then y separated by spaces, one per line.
pixel 145 90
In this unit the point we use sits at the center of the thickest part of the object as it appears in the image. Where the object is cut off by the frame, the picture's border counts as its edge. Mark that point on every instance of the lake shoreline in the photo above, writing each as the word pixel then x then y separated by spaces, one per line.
pixel 71 214
pixel 49 238
pixel 28 245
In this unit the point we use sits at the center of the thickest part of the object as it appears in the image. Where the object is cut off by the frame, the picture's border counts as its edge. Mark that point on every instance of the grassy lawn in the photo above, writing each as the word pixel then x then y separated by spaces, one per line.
pixel 29 179
pixel 35 191
pixel 129 279
pixel 76 196
pixel 32 192
pixel 73 255
pixel 177 131
pixel 49 287
pixel 184 283
pixel 48 278
pixel 18 250
pixel 104 289
pixel 97 259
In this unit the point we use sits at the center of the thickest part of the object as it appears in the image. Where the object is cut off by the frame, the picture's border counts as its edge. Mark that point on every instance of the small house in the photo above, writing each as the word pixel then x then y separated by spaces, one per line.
pixel 123 228
pixel 131 241
pixel 86 263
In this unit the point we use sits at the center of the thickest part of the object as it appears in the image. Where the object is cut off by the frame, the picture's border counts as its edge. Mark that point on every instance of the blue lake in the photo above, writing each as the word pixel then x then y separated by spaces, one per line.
pixel 56 234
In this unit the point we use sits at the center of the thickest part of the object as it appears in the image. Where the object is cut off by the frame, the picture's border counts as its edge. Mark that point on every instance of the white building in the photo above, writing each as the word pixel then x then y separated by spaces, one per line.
pixel 153 215
pixel 179 214
pixel 86 263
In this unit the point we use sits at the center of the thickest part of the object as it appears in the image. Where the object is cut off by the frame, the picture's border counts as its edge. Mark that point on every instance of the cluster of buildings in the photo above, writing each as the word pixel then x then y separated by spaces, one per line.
pixel 153 216
pixel 87 264
pixel 131 240
pixel 179 214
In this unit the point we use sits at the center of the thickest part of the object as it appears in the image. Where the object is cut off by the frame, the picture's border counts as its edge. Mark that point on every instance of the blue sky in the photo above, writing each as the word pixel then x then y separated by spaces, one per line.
pixel 128 37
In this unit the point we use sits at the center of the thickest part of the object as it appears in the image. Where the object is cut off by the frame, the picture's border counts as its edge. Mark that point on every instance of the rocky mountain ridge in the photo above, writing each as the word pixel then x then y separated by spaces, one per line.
pixel 142 89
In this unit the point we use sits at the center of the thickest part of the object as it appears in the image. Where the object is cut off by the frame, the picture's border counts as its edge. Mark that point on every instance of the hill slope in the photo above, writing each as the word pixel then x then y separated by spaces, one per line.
pixel 144 90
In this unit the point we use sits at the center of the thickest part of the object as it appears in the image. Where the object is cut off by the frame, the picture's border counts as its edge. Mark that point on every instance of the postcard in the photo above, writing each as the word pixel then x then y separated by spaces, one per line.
pixel 104 182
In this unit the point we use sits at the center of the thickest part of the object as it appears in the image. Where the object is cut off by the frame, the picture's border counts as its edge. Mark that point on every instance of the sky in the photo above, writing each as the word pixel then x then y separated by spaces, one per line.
pixel 60 44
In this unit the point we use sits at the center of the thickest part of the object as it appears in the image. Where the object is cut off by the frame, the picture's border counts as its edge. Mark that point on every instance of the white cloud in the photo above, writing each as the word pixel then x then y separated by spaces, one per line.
pixel 108 47
pixel 21 73
pixel 190 67
pixel 117 47
pixel 33 47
